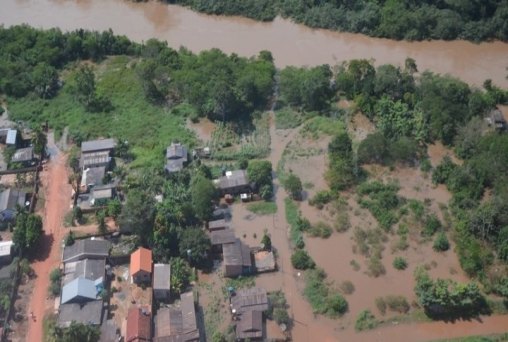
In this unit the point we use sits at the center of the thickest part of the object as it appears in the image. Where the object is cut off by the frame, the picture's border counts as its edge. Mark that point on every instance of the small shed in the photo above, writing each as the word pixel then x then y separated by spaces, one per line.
pixel 161 281
pixel 497 120
pixel 98 145
pixel 176 157
pixel 219 238
pixel 9 200
pixel 141 266
pixel 217 225
pixel 5 252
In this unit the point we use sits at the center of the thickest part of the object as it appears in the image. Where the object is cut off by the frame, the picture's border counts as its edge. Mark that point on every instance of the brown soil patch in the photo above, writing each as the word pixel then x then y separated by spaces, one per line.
pixel 359 127
pixel 203 129
pixel 438 151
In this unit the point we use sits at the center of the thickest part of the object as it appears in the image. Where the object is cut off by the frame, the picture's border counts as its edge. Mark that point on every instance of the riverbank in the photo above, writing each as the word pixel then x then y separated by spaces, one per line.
pixel 290 43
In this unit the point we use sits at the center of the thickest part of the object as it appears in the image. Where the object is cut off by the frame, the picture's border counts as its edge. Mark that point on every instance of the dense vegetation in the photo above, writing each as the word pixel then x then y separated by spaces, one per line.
pixel 412 20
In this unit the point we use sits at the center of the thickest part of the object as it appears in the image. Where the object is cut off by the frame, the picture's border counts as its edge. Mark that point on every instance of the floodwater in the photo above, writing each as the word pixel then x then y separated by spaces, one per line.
pixel 290 43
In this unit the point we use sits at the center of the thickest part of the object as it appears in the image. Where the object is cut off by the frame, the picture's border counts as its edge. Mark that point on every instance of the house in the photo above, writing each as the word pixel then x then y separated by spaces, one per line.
pixel 176 157
pixel 9 200
pixel 139 325
pixel 219 238
pixel 24 156
pixel 217 225
pixel 9 136
pixel 234 183
pixel 90 313
pixel 101 195
pixel 161 281
pixel 497 120
pixel 86 249
pixel 96 153
pixel 178 322
pixel 92 177
pixel 5 252
pixel 237 259
pixel 141 266
pixel 251 299
pixel 250 326
pixel 100 145
pixel 92 269
pixel 81 290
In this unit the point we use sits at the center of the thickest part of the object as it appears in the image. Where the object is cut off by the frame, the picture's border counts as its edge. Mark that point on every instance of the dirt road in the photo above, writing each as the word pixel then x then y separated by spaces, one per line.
pixel 57 193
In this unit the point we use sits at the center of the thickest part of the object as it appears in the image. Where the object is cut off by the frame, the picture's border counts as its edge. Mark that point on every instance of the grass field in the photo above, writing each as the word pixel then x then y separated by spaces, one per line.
pixel 262 208
pixel 148 128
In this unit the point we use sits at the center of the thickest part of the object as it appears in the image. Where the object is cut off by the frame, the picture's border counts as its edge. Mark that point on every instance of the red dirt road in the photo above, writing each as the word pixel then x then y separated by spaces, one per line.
pixel 57 193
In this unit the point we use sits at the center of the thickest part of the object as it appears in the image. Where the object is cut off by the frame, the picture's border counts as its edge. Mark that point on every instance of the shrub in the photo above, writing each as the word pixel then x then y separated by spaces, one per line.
pixel 381 305
pixel 322 298
pixel 321 229
pixel 365 321
pixel 432 225
pixel 441 243
pixel 293 186
pixel 281 316
pixel 375 267
pixel 397 303
pixel 69 239
pixel 355 265
pixel 301 260
pixel 347 287
pixel 321 198
pixel 399 263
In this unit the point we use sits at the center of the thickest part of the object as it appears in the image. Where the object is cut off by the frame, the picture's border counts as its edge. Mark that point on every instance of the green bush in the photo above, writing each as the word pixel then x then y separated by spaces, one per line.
pixel 281 316
pixel 301 260
pixel 365 321
pixel 381 305
pixel 441 243
pixel 321 297
pixel 321 198
pixel 375 266
pixel 431 225
pixel 321 230
pixel 399 263
pixel 397 303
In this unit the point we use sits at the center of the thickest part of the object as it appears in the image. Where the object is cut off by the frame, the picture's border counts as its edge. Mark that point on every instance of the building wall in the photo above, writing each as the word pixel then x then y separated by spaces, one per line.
pixel 232 270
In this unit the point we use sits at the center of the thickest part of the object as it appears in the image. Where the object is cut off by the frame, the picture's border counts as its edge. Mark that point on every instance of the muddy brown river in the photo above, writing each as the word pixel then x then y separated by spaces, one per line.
pixel 291 44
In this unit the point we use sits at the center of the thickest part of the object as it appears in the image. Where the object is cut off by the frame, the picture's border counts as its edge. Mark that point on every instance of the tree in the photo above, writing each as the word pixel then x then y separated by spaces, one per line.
pixel 399 263
pixel 203 192
pixel 69 239
pixel 266 241
pixel 102 228
pixel 293 186
pixel 39 141
pixel 78 332
pixel 138 215
pixel 114 208
pixel 45 80
pixel 28 231
pixel 301 260
pixel 194 245
pixel 441 243
pixel 341 173
pixel 180 275
pixel 83 87
pixel 260 172
pixel 373 149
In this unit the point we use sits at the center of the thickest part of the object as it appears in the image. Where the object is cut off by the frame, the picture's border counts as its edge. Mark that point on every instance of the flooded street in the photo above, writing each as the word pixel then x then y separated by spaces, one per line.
pixel 291 44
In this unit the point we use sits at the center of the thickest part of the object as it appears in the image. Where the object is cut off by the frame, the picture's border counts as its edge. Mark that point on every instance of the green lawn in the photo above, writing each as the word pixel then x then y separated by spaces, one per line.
pixel 148 128
pixel 262 208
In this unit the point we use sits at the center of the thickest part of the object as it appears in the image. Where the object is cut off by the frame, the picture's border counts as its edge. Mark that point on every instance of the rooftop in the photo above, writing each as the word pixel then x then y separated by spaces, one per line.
pixel 79 289
pixel 87 313
pixel 178 322
pixel 176 151
pixel 233 179
pixel 254 298
pixel 94 158
pixel 93 176
pixel 217 224
pixel 102 193
pixel 97 145
pixel 161 276
pixel 9 198
pixel 221 237
pixel 23 155
pixel 139 325
pixel 141 260
pixel 11 137
pixel 5 248
pixel 237 253
pixel 86 248
pixel 250 325
pixel 92 269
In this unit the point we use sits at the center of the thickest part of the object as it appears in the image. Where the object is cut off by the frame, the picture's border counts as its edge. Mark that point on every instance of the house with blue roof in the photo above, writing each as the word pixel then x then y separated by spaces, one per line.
pixel 81 290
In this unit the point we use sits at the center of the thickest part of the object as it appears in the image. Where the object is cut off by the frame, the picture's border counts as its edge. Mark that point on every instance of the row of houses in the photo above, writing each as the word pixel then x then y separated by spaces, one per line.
pixel 20 141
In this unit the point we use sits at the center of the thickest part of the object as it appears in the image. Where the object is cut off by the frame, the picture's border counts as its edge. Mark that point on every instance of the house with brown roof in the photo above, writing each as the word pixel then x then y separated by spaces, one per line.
pixel 219 238
pixel 139 325
pixel 141 266
pixel 217 225
pixel 250 326
pixel 177 323
pixel 234 183
pixel 237 259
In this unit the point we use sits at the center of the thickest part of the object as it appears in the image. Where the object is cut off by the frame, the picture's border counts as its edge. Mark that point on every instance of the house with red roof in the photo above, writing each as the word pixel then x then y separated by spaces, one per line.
pixel 141 266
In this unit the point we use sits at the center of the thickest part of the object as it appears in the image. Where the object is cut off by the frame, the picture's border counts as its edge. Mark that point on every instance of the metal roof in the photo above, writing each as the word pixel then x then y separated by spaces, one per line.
pixel 5 248
pixel 92 269
pixel 161 276
pixel 178 322
pixel 233 179
pixel 236 253
pixel 86 248
pixel 254 298
pixel 23 154
pixel 11 137
pixel 98 145
pixel 10 197
pixel 87 313
pixel 79 288
pixel 221 237
pixel 250 325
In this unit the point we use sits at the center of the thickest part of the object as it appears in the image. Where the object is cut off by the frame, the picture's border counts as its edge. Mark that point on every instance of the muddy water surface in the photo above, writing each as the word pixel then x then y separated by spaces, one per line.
pixel 291 44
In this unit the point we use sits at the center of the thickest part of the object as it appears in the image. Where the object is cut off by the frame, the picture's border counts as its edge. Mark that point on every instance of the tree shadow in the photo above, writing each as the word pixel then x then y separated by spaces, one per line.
pixel 468 314
pixel 42 250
